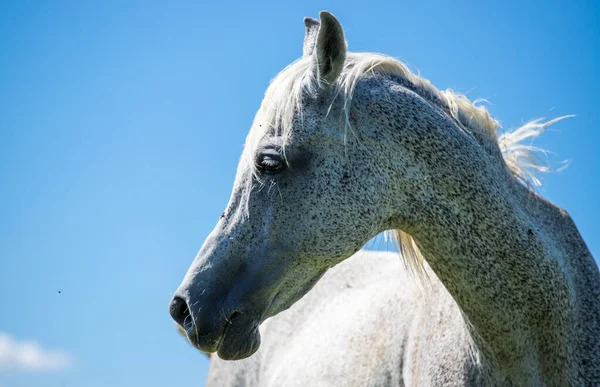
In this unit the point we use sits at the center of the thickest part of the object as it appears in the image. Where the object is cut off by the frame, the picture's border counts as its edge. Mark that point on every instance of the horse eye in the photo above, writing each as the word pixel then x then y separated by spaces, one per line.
pixel 270 164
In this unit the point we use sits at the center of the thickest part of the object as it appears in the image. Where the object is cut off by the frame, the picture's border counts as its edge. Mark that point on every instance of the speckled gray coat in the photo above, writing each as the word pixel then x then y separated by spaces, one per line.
pixel 516 293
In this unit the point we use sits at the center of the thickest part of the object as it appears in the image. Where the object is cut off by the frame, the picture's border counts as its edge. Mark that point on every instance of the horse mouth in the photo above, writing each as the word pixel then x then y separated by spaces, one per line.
pixel 236 341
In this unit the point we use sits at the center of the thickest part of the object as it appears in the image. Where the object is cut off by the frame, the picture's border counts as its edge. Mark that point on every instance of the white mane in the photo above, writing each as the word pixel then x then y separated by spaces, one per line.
pixel 282 103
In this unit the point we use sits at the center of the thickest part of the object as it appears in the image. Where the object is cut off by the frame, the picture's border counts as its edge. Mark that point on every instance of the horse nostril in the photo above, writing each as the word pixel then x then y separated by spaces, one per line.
pixel 232 315
pixel 181 313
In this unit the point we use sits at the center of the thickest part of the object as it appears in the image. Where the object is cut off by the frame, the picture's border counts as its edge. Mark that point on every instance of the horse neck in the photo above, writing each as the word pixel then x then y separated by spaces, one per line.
pixel 580 272
pixel 510 260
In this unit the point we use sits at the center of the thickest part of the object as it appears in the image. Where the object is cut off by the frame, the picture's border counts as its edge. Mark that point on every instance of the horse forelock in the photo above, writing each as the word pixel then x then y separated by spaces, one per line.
pixel 283 103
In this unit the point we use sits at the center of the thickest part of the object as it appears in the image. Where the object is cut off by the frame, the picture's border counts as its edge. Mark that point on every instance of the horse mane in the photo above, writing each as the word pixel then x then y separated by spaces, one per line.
pixel 283 103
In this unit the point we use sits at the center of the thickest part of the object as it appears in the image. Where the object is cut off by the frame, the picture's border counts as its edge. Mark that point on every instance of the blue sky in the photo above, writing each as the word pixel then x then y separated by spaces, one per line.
pixel 122 122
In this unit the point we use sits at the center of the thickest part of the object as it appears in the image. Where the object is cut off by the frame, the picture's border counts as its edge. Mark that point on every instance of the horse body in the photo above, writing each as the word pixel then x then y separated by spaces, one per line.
pixel 348 145
pixel 366 322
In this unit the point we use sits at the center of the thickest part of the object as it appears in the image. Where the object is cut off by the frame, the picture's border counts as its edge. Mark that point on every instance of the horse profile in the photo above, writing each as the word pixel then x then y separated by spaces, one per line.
pixel 346 146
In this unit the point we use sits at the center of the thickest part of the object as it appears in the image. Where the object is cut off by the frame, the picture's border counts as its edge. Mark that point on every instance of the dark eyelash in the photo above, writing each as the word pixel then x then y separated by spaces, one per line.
pixel 269 165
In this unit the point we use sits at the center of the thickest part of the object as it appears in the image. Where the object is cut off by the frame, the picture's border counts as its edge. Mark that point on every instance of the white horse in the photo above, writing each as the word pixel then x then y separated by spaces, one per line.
pixel 344 147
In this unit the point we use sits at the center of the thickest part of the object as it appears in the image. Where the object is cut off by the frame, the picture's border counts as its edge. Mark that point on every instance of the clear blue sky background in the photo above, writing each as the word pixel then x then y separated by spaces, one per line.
pixel 121 124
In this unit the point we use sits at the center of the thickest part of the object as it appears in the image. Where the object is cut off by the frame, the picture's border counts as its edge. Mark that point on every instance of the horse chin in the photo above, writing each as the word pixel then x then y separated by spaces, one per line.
pixel 239 343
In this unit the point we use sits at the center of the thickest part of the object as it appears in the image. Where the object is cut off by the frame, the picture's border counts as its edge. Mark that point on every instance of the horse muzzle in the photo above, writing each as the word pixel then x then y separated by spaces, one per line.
pixel 229 332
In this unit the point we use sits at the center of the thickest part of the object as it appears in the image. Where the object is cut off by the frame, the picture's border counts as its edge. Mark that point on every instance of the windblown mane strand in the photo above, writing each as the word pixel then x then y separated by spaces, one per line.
pixel 282 103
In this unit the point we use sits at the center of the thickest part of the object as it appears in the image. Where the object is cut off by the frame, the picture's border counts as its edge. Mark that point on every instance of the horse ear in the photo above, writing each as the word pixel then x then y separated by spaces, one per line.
pixel 330 48
pixel 310 38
